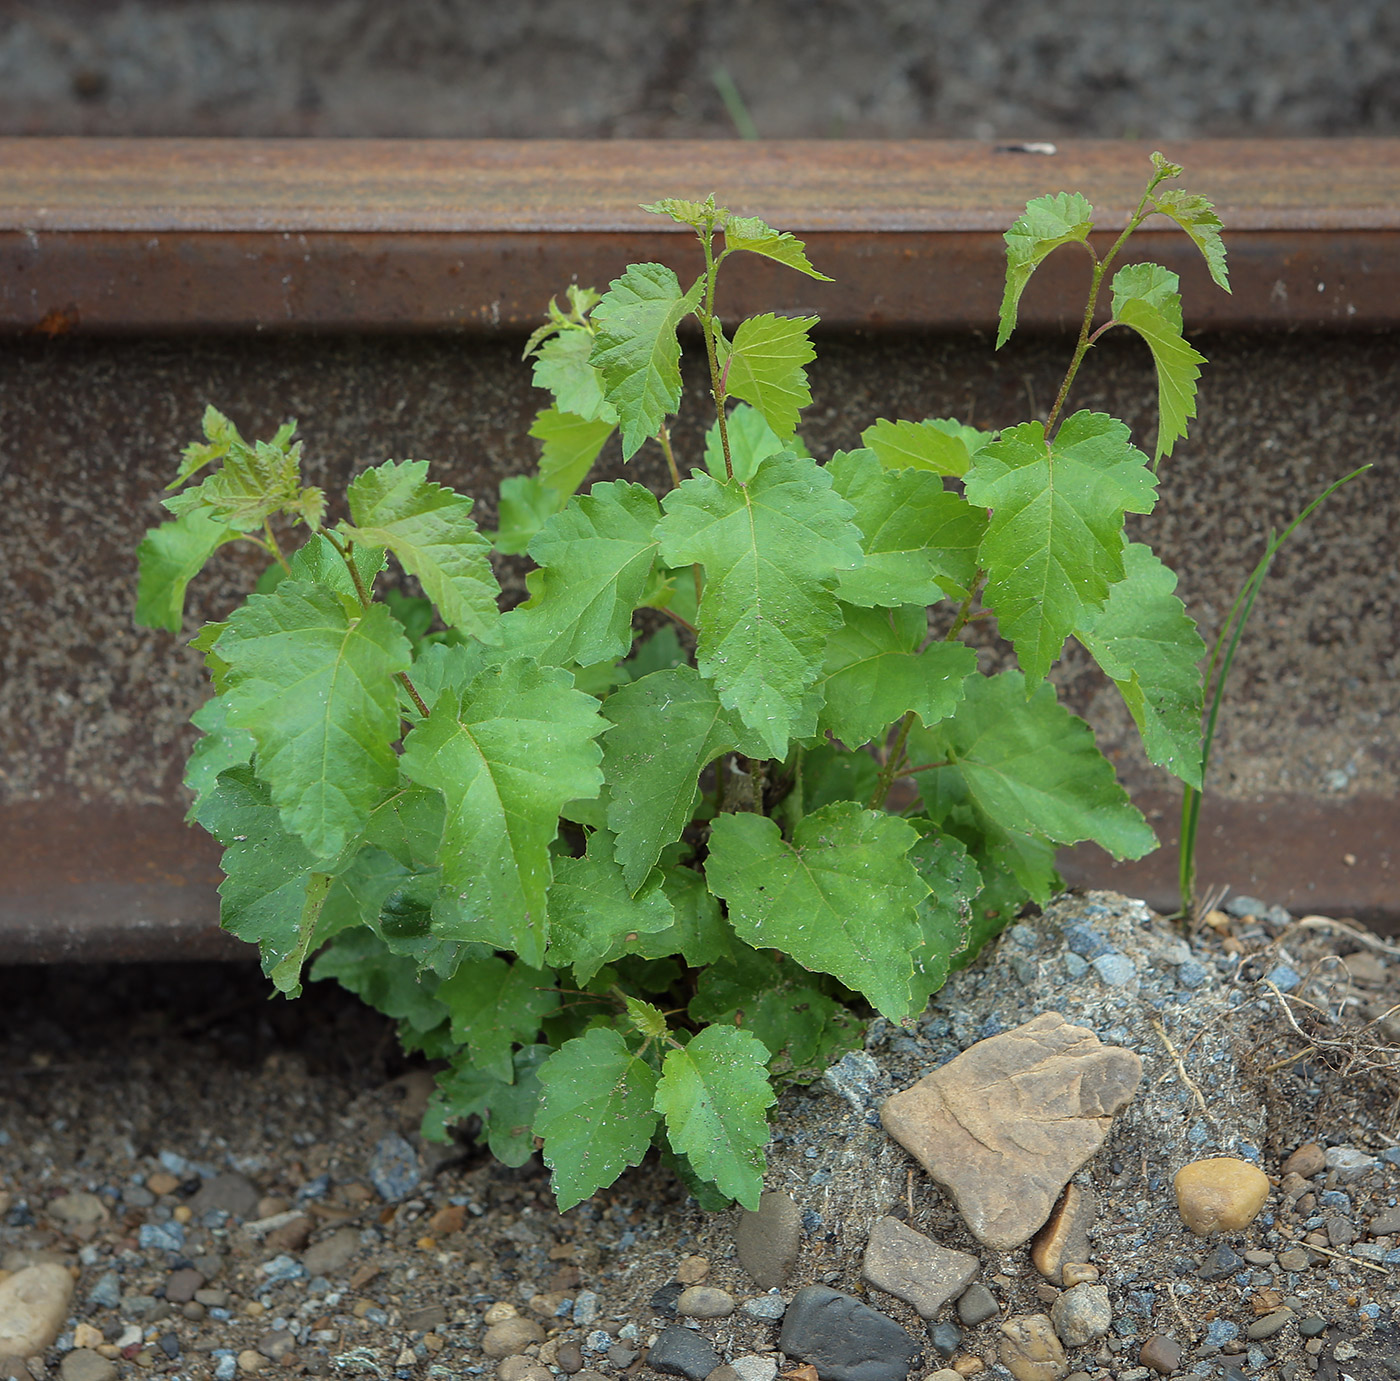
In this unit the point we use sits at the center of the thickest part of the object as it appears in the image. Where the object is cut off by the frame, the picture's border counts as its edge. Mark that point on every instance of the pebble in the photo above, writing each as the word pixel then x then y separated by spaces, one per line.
pixel 1074 1273
pixel 976 1305
pixel 82 1364
pixel 229 1193
pixel 1220 1194
pixel 162 1182
pixel 1348 1164
pixel 1161 1353
pixel 1294 1259
pixel 1082 1314
pixel 1065 1237
pixel 1004 1125
pixel 107 1292
pixel 327 1256
pixel 522 1369
pixel 680 1351
pixel 569 1357
pixel 33 1306
pixel 767 1239
pixel 251 1361
pixel 1222 1263
pixel 1385 1224
pixel 754 1368
pixel 844 1339
pixel 1269 1324
pixel 78 1209
pixel 944 1374
pixel 911 1267
pixel 161 1237
pixel 510 1336
pixel 181 1284
pixel 394 1168
pixel 1314 1326
pixel 1308 1160
pixel 692 1270
pixel 587 1308
pixel 946 1338
pixel 703 1302
pixel 1117 970
pixel 765 1307
pixel 1030 1350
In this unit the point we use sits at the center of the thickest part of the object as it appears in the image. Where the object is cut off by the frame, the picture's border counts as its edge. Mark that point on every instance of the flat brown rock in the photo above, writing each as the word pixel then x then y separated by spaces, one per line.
pixel 1004 1125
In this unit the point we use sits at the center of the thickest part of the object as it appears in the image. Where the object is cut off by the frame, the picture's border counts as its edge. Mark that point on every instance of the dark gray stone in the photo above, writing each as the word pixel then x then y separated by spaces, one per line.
pixel 844 1339
pixel 1314 1326
pixel 682 1352
pixel 1222 1262
pixel 976 1305
pixel 946 1337
pixel 229 1193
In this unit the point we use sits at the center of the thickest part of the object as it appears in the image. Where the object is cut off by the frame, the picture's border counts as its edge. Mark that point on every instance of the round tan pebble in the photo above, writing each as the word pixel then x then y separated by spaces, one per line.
pixel 500 1312
pixel 1161 1353
pixel 250 1361
pixel 1221 1194
pixel 523 1369
pixel 162 1182
pixel 1079 1273
pixel 694 1269
pixel 434 1342
pixel 969 1364
pixel 254 1310
pixel 183 1214
pixel 511 1336
pixel 704 1302
pixel 270 1205
pixel 569 1357
pixel 1308 1160
pixel 85 1335
pixel 944 1374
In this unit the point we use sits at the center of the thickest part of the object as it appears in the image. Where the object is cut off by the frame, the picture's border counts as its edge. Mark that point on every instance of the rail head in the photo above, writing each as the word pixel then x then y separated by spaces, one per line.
pixel 190 235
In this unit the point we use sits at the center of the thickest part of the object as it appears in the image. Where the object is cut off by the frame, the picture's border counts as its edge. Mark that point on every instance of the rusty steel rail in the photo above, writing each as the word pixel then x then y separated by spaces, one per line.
pixel 112 237
pixel 188 235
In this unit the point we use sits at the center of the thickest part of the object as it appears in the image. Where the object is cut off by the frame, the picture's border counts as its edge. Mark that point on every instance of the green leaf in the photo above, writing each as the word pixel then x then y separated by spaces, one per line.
pixel 749 234
pixel 698 932
pixel 1054 545
pixel 945 915
pixel 660 651
pixel 427 527
pixel 1029 766
pixel 592 909
pixel 597 556
pixel 596 1115
pixel 170 556
pixel 526 502
pixel 751 439
pixel 273 886
pixel 495 1005
pixel 1196 216
pixel 874 673
pixel 696 214
pixel 318 561
pixel 803 1029
pixel 920 541
pixel 1046 224
pixel 937 444
pixel 841 898
pixel 221 435
pixel 507 752
pixel 507 1110
pixel 1145 298
pixel 669 727
pixel 362 963
pixel 315 688
pixel 833 774
pixel 1144 641
pixel 636 350
pixel 713 1095
pixel 765 366
pixel 562 367
pixel 252 484
pixel 219 747
pixel 218 669
pixel 772 550
pixel 571 445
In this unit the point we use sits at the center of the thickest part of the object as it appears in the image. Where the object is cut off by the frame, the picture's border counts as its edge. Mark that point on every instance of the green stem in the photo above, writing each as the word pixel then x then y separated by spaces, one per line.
pixel 890 769
pixel 664 437
pixel 1101 267
pixel 273 547
pixel 707 325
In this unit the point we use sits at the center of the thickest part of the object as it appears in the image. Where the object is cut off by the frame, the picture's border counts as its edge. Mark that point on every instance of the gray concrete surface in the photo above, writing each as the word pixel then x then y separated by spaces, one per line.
pixel 628 68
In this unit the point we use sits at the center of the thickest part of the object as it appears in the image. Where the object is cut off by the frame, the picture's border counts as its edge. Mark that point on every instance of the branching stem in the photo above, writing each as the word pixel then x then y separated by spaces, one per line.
pixel 707 325
pixel 273 547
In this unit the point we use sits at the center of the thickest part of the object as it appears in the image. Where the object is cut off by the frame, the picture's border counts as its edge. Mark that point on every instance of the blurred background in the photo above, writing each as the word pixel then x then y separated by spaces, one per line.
pixel 692 69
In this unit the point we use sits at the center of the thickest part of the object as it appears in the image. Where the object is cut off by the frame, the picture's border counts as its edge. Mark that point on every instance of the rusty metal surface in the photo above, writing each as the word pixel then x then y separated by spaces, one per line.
pixel 1336 858
pixel 130 883
pixel 301 235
